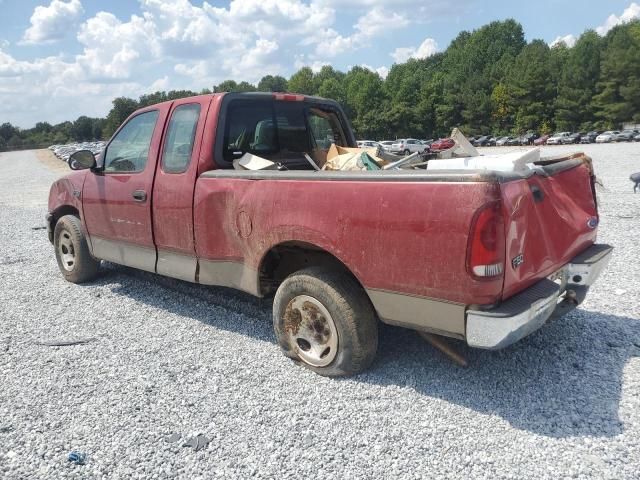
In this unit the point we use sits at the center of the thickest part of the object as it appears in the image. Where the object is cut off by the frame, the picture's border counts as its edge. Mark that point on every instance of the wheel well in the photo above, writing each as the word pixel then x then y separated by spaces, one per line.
pixel 57 214
pixel 289 257
pixel 60 212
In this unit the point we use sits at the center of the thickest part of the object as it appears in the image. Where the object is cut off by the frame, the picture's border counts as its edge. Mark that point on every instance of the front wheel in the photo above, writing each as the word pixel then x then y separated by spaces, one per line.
pixel 72 252
pixel 324 320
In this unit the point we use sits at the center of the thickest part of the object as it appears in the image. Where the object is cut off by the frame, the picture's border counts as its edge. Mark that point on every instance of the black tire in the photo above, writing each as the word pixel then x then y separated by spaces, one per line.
pixel 353 315
pixel 407 152
pixel 68 238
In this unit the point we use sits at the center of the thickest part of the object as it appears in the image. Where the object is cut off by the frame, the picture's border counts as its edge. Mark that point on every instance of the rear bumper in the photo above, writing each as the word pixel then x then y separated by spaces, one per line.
pixel 527 311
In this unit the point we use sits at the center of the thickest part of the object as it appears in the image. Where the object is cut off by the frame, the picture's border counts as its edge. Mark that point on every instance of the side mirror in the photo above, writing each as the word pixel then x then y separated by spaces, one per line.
pixel 81 160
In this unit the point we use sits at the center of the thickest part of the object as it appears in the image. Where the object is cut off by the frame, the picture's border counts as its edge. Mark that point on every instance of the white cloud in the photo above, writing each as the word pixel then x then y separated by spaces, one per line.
pixel 183 44
pixel 427 48
pixel 160 84
pixel 632 12
pixel 114 49
pixel 51 23
pixel 382 71
pixel 568 40
pixel 372 24
pixel 54 90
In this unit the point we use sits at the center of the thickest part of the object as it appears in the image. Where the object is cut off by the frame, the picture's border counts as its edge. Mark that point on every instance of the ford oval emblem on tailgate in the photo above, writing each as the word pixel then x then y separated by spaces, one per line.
pixel 592 222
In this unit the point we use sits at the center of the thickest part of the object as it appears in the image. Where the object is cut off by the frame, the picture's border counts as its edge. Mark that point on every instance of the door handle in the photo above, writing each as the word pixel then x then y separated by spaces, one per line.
pixel 139 195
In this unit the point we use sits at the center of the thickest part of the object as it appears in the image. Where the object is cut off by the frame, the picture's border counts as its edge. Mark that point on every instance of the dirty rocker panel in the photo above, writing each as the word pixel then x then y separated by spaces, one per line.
pixel 419 313
pixel 226 273
pixel 177 265
pixel 123 253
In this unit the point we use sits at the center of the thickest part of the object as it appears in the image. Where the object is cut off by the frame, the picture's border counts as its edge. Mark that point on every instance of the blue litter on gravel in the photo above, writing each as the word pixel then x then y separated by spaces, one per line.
pixel 78 458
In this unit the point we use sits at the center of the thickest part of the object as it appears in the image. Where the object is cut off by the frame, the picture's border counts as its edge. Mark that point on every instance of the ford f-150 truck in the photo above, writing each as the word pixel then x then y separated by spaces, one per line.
pixel 479 255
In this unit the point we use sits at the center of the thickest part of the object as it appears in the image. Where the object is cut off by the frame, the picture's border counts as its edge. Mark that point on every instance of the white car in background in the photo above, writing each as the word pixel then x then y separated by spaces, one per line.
pixel 367 144
pixel 607 137
pixel 408 146
pixel 386 144
pixel 558 138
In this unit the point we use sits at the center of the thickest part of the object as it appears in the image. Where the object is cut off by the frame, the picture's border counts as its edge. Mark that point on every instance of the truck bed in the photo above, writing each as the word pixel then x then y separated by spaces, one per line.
pixel 401 233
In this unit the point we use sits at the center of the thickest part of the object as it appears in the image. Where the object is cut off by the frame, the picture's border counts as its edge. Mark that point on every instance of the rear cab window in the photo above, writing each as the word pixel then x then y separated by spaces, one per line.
pixel 180 138
pixel 280 131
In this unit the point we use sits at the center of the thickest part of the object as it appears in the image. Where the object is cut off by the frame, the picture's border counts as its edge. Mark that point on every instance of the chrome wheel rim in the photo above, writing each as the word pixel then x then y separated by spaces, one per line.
pixel 311 331
pixel 66 251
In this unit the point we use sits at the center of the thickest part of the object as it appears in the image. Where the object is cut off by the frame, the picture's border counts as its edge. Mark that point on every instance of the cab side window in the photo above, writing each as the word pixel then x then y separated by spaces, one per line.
pixel 180 138
pixel 129 150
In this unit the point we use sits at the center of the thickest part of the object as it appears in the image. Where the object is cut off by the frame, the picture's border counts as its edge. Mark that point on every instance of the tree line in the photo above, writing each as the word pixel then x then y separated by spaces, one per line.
pixel 487 81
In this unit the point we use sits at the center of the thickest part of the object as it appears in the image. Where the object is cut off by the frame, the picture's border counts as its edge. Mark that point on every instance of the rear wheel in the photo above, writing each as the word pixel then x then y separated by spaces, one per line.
pixel 407 152
pixel 72 253
pixel 324 320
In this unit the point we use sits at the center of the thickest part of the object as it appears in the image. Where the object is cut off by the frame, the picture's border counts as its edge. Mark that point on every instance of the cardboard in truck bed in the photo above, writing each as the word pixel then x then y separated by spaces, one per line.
pixel 348 158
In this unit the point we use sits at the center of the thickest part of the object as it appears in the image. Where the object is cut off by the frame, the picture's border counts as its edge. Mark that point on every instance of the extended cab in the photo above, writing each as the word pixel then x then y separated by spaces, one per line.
pixel 482 256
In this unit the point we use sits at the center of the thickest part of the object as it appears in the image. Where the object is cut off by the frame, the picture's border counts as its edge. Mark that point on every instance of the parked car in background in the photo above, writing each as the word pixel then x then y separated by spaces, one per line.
pixel 589 137
pixel 607 136
pixel 492 142
pixel 427 142
pixel 63 152
pixel 541 141
pixel 483 141
pixel 442 144
pixel 572 139
pixel 557 138
pixel 367 144
pixel 626 136
pixel 386 144
pixel 514 142
pixel 636 138
pixel 408 146
pixel 502 141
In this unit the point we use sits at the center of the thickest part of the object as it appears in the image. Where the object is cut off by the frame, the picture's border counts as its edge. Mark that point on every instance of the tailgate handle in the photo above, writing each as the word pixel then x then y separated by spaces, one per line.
pixel 538 195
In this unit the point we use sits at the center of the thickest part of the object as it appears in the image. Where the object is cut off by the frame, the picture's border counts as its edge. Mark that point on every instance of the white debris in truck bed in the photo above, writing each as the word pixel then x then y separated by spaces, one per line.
pixel 503 162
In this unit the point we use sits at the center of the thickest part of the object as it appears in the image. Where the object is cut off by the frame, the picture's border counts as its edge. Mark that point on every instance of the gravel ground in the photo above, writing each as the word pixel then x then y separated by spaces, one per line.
pixel 170 357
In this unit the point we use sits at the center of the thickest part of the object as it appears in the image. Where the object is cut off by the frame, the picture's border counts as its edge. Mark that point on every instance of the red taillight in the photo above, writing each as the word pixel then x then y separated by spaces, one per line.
pixel 486 242
pixel 288 97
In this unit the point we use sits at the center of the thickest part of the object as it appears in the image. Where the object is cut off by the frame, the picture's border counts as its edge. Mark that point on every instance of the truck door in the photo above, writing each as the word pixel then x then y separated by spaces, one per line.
pixel 117 199
pixel 173 189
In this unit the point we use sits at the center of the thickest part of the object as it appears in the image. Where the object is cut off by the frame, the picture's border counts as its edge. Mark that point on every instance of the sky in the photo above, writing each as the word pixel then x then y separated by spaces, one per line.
pixel 60 59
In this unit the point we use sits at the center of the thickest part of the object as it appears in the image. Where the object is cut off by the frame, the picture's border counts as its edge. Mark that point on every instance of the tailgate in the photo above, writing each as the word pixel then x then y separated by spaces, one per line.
pixel 549 218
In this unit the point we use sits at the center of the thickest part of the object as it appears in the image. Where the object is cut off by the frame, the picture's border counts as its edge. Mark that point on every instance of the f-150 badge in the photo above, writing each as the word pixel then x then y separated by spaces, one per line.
pixel 517 261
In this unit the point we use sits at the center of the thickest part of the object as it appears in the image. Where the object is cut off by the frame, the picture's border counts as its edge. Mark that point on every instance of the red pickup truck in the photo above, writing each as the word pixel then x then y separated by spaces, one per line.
pixel 482 256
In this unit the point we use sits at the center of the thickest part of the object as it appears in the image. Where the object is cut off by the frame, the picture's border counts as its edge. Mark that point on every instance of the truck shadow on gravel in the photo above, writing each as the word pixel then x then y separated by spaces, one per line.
pixel 563 381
